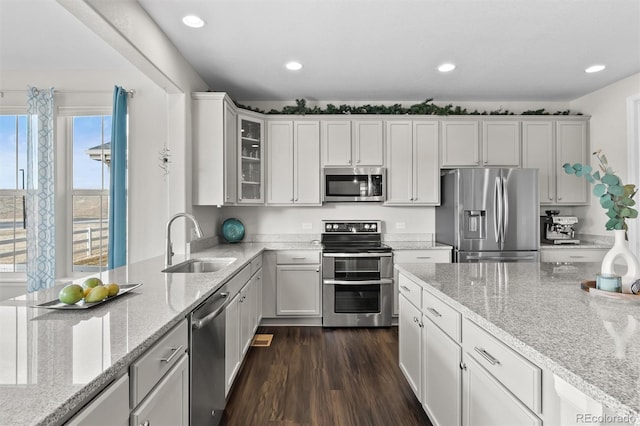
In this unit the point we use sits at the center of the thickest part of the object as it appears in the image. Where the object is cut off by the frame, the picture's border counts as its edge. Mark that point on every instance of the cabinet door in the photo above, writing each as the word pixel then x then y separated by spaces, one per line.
pixel 230 154
pixel 258 298
pixel 537 146
pixel 460 143
pixel 410 348
pixel 168 403
pixel 426 183
pixel 280 157
pixel 571 147
pixel 486 402
pixel 442 377
pixel 307 163
pixel 298 290
pixel 247 314
pixel 251 154
pixel 501 143
pixel 336 143
pixel 367 144
pixel 109 408
pixel 400 162
pixel 232 342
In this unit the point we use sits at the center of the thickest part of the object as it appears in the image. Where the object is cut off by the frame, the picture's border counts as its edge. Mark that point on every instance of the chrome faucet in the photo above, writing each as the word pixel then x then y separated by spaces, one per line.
pixel 169 247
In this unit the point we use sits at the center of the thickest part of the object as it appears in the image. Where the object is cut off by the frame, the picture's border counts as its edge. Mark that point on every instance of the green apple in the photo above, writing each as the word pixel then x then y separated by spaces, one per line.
pixel 71 294
pixel 91 282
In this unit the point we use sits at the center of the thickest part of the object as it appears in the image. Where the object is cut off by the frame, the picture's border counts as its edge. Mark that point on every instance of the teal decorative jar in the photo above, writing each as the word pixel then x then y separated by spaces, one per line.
pixel 232 230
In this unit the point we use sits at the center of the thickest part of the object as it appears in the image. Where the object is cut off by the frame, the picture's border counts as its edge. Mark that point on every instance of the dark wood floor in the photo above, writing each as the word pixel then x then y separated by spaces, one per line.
pixel 316 376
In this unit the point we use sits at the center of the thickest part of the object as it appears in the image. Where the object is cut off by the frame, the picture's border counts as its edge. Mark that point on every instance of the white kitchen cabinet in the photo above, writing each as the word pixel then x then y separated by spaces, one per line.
pixel 293 173
pixel 344 146
pixel 248 312
pixel 215 149
pixel 460 143
pixel 486 402
pixel 298 290
pixel 441 376
pixel 501 143
pixel 109 408
pixel 232 350
pixel 250 159
pixel 410 349
pixel 575 254
pixel 168 403
pixel 413 176
pixel 547 145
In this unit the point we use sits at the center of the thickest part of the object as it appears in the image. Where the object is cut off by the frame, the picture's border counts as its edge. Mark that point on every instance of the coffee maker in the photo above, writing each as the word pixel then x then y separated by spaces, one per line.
pixel 556 229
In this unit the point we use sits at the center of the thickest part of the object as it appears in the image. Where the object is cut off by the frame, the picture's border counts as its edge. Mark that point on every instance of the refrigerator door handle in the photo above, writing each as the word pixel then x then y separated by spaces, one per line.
pixel 496 209
pixel 505 213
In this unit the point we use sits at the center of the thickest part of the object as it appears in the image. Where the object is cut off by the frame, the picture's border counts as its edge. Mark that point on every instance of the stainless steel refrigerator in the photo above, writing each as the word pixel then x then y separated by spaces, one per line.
pixel 490 214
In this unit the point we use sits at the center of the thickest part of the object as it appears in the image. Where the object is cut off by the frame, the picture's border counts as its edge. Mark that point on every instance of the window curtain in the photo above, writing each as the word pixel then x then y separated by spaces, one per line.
pixel 41 237
pixel 118 181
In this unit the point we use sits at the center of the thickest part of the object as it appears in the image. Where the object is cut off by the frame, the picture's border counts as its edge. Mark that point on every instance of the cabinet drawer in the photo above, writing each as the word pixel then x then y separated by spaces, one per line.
pixel 235 284
pixel 256 263
pixel 443 315
pixel 518 375
pixel 147 370
pixel 410 290
pixel 422 256
pixel 295 257
pixel 572 255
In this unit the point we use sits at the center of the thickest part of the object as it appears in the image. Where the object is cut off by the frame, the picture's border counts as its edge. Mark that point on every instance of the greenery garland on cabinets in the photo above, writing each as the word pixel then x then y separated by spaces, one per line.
pixel 423 108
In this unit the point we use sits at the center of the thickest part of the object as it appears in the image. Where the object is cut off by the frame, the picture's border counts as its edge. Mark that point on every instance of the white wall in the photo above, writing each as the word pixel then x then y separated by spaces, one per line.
pixel 290 220
pixel 608 110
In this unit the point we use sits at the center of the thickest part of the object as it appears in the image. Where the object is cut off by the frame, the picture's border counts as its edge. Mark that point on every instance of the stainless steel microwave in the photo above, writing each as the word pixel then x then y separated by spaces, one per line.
pixel 354 184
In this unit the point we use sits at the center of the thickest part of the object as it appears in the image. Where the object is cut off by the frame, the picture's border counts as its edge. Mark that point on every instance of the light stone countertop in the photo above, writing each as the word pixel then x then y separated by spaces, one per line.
pixel 58 359
pixel 539 309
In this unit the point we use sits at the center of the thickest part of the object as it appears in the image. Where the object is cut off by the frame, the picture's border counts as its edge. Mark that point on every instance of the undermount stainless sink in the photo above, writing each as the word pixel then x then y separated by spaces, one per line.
pixel 196 266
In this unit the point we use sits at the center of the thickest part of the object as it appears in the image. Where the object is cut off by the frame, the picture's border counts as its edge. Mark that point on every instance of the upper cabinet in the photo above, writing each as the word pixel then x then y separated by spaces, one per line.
pixel 547 145
pixel 352 143
pixel 250 160
pixel 464 146
pixel 215 144
pixel 413 176
pixel 293 172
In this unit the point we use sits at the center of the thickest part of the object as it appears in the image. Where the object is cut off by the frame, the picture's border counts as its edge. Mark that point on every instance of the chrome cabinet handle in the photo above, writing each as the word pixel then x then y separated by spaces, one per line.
pixel 434 312
pixel 405 288
pixel 175 352
pixel 423 257
pixel 486 355
pixel 463 366
pixel 146 423
pixel 417 321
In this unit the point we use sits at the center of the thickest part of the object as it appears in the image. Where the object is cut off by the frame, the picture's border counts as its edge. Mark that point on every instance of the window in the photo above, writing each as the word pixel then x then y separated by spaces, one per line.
pixel 91 155
pixel 13 163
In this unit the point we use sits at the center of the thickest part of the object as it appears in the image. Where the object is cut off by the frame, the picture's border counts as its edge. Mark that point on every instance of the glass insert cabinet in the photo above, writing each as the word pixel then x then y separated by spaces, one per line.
pixel 251 164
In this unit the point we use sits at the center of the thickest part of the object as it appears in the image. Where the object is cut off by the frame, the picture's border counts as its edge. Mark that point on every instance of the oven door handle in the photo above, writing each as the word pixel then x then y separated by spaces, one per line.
pixel 367 254
pixel 383 281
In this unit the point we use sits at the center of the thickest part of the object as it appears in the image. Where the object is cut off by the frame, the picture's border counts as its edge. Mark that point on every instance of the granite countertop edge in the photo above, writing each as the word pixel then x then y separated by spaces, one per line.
pixel 531 353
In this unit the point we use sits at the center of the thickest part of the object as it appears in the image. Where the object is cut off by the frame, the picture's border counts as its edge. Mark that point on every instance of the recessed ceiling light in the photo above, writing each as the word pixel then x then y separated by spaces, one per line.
pixel 293 66
pixel 446 67
pixel 594 68
pixel 193 21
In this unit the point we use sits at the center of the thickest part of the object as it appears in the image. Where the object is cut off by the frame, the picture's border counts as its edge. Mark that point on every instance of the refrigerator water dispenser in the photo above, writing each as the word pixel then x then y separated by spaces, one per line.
pixel 475 225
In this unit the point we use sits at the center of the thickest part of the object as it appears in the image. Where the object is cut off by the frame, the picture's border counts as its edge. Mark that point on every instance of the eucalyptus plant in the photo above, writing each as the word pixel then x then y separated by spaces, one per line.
pixel 615 197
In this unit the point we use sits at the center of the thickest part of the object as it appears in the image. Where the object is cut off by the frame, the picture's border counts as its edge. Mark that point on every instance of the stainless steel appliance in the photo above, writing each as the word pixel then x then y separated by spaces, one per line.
pixel 354 184
pixel 207 342
pixel 490 214
pixel 357 275
pixel 556 229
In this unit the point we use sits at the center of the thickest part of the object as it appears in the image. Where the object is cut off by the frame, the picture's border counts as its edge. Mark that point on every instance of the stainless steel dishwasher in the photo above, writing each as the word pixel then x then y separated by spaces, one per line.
pixel 207 343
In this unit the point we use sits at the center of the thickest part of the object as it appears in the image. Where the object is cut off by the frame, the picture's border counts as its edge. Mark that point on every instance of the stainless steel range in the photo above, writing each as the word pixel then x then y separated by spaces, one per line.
pixel 357 275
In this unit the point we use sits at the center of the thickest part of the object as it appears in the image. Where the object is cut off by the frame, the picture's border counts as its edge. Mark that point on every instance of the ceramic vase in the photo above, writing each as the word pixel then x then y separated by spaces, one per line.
pixel 621 253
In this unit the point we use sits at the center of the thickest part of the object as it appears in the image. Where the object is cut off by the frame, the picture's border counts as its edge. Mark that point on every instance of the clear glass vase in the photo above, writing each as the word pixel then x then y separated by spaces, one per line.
pixel 621 254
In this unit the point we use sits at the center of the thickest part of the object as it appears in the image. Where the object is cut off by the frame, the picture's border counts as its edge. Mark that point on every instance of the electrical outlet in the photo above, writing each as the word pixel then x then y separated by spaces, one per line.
pixel 307 225
pixel 401 225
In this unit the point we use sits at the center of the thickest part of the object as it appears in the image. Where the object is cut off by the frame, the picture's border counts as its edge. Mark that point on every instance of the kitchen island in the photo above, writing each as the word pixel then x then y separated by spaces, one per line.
pixel 56 361
pixel 538 310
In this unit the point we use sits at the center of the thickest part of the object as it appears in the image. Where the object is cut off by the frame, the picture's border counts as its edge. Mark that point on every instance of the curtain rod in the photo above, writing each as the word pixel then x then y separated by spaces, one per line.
pixel 130 92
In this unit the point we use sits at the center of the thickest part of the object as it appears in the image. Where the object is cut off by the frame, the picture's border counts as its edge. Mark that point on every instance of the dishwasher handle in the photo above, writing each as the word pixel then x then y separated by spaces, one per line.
pixel 201 322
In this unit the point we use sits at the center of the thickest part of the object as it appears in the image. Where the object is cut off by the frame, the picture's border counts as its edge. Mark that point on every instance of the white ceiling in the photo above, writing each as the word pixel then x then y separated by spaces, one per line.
pixel 363 50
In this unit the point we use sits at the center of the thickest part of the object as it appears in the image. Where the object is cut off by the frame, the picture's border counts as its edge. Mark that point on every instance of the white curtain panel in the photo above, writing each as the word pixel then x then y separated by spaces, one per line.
pixel 41 258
